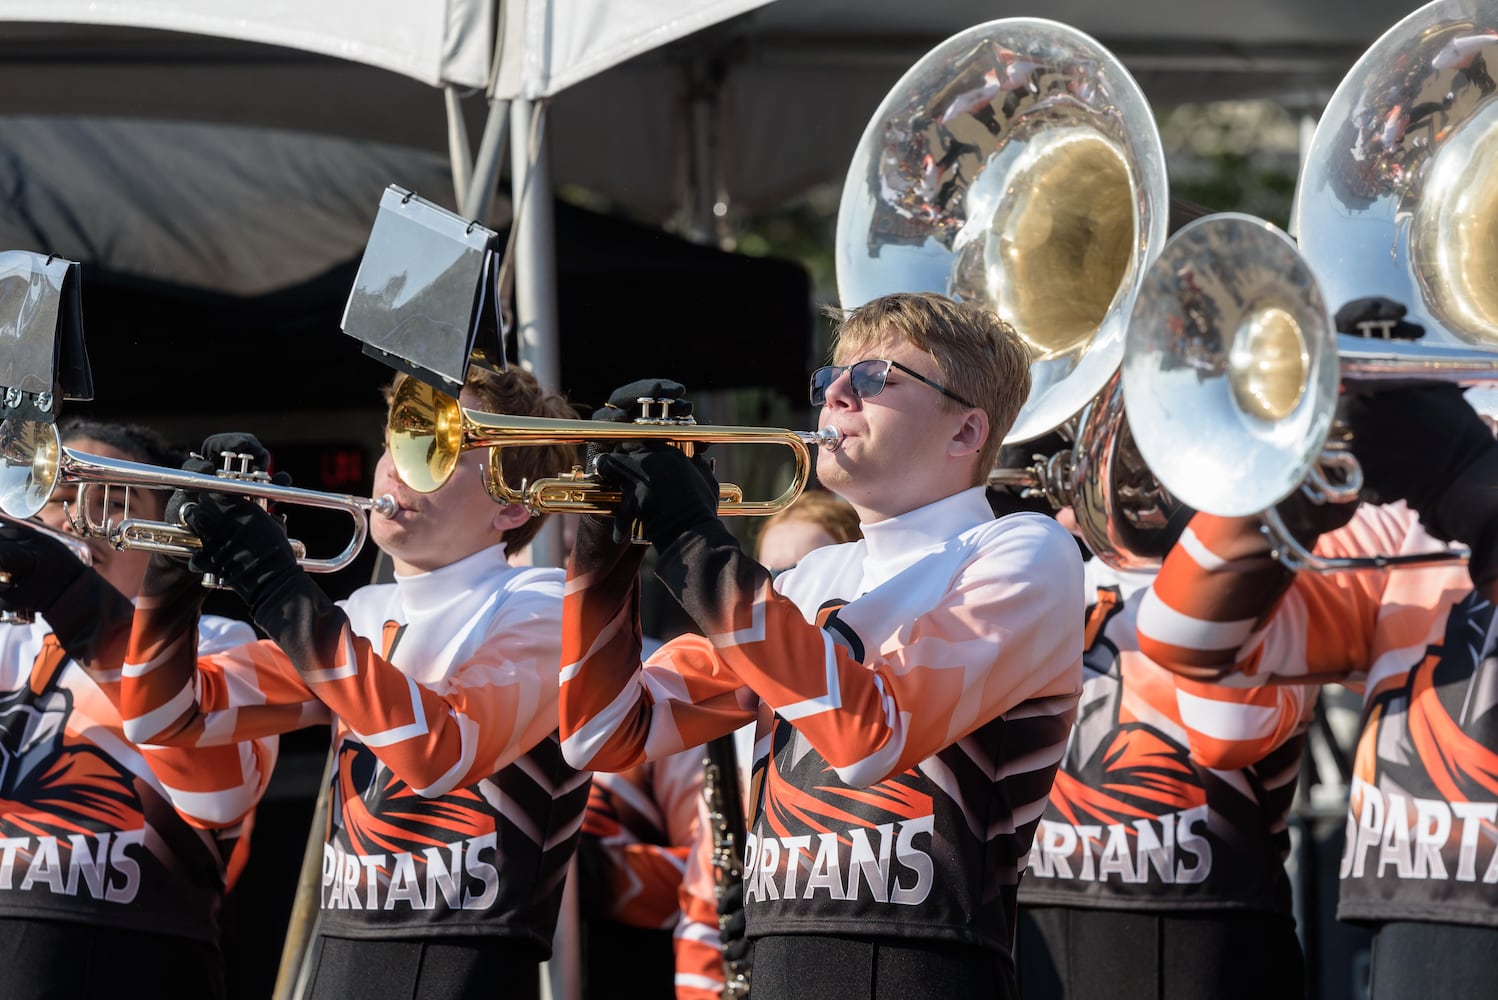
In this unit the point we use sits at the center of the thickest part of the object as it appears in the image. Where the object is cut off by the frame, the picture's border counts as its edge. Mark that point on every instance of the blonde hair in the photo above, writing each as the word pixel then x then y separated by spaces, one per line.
pixel 977 355
pixel 518 393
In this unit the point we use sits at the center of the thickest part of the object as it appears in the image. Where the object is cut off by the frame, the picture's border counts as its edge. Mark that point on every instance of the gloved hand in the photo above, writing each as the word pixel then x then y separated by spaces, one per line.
pixel 1308 520
pixel 208 461
pixel 40 569
pixel 623 407
pixel 662 488
pixel 243 545
pixel 731 933
pixel 625 398
pixel 1376 317
pixel 1425 445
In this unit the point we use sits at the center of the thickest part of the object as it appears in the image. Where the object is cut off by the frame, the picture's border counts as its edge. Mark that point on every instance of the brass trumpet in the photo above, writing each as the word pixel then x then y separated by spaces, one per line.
pixel 33 463
pixel 74 544
pixel 428 430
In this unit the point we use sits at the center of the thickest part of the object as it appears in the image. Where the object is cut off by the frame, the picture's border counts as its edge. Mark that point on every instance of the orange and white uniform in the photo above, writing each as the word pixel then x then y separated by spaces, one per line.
pixel 1145 816
pixel 913 692
pixel 1422 826
pixel 96 830
pixel 453 812
pixel 637 834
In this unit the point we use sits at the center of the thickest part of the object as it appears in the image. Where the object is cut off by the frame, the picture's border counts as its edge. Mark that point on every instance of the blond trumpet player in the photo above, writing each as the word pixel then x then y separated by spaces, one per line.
pixel 452 813
pixel 913 690
pixel 113 868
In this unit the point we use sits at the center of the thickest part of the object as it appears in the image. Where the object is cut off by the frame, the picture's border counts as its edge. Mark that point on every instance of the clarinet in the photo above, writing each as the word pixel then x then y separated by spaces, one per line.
pixel 725 811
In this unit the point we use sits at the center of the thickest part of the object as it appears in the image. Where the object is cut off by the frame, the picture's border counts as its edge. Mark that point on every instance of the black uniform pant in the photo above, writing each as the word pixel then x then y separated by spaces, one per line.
pixel 443 968
pixel 801 966
pixel 1067 953
pixel 56 960
pixel 1438 961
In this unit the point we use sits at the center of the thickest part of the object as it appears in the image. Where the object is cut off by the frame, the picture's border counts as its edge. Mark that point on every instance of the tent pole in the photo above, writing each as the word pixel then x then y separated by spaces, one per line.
pixel 536 336
pixel 536 328
pixel 458 150
pixel 480 196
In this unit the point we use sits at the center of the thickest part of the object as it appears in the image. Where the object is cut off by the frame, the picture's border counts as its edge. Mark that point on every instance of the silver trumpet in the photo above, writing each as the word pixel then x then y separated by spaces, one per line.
pixel 33 463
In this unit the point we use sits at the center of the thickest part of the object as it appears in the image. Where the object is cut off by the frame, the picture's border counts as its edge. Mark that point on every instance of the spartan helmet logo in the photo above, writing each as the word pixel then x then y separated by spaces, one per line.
pixel 31 732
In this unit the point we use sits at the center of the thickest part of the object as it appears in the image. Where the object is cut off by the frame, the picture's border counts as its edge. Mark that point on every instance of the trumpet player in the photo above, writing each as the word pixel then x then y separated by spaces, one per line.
pixel 114 861
pixel 1419 864
pixel 912 691
pixel 452 814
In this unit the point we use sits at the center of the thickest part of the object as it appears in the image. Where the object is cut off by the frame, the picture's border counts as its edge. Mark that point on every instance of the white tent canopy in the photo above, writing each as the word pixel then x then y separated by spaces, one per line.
pixel 774 94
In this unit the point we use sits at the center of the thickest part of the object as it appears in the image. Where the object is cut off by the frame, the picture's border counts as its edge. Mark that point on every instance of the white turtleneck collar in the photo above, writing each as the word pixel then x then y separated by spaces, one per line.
pixel 897 542
pixel 431 591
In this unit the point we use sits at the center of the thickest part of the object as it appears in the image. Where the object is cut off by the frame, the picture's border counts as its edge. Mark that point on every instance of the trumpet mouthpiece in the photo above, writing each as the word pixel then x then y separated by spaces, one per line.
pixel 383 505
pixel 829 438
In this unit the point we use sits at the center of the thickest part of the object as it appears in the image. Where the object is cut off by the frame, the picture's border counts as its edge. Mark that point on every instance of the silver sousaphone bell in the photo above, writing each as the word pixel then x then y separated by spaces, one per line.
pixel 1017 166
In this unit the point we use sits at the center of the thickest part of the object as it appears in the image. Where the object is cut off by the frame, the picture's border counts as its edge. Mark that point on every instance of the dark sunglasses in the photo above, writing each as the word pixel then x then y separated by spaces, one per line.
pixel 867 378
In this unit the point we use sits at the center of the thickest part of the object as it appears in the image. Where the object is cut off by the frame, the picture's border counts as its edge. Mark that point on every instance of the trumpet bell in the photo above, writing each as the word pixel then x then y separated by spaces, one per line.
pixel 424 435
pixel 1230 373
pixel 29 459
pixel 1017 167
pixel 1398 195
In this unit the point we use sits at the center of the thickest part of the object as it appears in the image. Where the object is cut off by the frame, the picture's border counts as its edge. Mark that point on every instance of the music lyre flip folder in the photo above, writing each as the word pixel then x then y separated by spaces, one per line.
pixel 426 299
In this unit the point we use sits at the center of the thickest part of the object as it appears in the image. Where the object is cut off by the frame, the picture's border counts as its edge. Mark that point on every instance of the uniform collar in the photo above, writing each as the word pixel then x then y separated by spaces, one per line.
pixel 433 590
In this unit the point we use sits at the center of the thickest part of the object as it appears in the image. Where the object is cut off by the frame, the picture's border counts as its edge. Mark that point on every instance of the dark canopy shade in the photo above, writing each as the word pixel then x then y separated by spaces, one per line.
pixel 217 260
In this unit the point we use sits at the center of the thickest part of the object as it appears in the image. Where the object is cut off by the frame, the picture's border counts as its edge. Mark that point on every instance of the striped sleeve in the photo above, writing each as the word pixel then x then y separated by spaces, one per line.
pixel 216 787
pixel 494 707
pixel 637 833
pixel 990 642
pixel 699 954
pixel 1222 605
pixel 1231 724
pixel 615 712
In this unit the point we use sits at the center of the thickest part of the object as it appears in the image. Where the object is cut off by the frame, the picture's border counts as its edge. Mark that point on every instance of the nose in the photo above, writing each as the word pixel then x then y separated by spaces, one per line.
pixel 840 395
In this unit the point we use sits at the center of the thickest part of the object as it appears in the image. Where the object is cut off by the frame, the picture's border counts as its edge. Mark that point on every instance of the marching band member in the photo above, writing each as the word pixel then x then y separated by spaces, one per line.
pixel 114 859
pixel 454 816
pixel 1419 862
pixel 913 690
pixel 1154 874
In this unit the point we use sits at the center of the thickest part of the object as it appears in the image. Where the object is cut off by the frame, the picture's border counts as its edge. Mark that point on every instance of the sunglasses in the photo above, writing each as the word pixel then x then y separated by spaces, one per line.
pixel 867 379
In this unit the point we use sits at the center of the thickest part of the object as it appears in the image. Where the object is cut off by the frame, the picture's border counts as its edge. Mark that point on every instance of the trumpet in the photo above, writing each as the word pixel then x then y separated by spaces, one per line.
pixel 75 545
pixel 428 430
pixel 33 463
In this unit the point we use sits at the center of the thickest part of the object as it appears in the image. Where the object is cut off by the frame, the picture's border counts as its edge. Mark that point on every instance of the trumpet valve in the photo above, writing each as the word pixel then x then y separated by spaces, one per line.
pixel 662 405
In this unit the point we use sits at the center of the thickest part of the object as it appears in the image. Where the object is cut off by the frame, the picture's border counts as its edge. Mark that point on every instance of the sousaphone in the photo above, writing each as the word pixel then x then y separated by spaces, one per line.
pixel 1017 166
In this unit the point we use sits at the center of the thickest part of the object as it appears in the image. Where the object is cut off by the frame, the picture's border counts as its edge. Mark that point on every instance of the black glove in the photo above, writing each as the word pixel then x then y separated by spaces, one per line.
pixel 663 489
pixel 1377 317
pixel 623 407
pixel 39 568
pixel 209 461
pixel 1308 520
pixel 1425 445
pixel 626 398
pixel 731 935
pixel 243 545
pixel 89 617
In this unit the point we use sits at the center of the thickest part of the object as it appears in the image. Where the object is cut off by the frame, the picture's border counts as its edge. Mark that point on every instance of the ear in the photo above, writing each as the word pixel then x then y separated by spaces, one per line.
pixel 510 515
pixel 970 435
